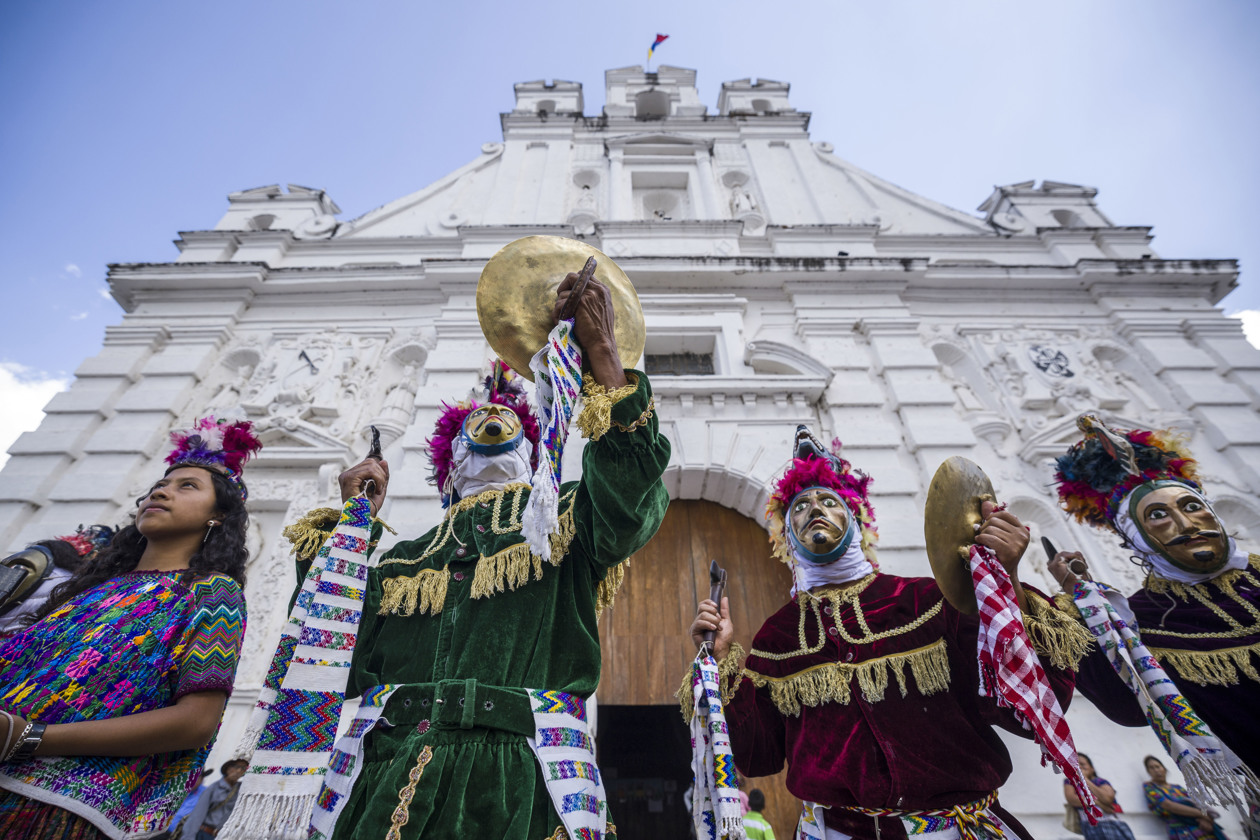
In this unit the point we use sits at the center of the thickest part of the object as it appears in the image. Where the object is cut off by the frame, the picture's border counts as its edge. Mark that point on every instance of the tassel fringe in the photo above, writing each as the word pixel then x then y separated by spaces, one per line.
pixel 311 531
pixel 609 586
pixel 1055 634
pixel 596 416
pixel 1212 667
pixel 1224 582
pixel 279 816
pixel 730 669
pixel 833 681
pixel 404 595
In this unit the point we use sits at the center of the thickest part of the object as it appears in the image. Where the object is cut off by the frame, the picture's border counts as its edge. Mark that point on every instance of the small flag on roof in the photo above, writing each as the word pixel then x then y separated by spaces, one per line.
pixel 660 39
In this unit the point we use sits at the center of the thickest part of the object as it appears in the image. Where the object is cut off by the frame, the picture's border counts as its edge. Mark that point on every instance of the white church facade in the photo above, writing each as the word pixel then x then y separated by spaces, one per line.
pixel 780 285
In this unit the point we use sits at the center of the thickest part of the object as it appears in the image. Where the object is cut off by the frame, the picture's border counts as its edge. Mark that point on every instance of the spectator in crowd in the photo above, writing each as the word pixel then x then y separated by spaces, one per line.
pixel 1109 826
pixel 755 825
pixel 216 803
pixel 110 700
pixel 64 556
pixel 1183 817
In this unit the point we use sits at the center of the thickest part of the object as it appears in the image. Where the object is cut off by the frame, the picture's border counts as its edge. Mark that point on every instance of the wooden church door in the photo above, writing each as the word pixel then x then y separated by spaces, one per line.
pixel 644 747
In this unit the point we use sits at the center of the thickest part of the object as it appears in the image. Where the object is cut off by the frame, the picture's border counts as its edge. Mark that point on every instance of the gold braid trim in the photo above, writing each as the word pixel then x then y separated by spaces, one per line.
pixel 310 532
pixel 596 415
pixel 607 590
pixel 730 669
pixel 1225 582
pixel 425 591
pixel 1055 634
pixel 510 568
pixel 833 681
pixel 1212 667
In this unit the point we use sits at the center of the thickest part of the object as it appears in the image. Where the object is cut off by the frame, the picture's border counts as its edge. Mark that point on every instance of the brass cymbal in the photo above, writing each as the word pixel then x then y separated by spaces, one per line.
pixel 949 519
pixel 517 292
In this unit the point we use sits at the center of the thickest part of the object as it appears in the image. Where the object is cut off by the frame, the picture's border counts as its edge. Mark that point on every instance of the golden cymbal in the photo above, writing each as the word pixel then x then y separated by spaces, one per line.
pixel 517 292
pixel 949 519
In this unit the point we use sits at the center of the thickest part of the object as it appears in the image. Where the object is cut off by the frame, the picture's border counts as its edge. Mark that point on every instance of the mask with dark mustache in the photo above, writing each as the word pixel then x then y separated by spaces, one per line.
pixel 1180 524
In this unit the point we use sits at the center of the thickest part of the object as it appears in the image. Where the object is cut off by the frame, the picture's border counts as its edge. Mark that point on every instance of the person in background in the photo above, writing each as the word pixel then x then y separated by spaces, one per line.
pixel 1109 826
pixel 755 825
pixel 1185 819
pixel 66 555
pixel 215 803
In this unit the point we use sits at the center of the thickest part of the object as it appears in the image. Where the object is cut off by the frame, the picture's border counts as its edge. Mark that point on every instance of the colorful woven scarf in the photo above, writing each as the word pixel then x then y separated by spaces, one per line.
pixel 1011 673
pixel 557 371
pixel 715 798
pixel 564 749
pixel 1213 773
pixel 295 718
pixel 969 821
pixel 346 762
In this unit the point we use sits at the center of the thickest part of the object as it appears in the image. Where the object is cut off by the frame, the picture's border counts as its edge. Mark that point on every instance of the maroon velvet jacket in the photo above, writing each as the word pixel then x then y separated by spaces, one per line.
pixel 1227 698
pixel 917 751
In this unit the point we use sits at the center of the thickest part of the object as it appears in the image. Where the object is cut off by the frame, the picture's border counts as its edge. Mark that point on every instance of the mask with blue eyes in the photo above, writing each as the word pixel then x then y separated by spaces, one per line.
pixel 491 430
pixel 820 525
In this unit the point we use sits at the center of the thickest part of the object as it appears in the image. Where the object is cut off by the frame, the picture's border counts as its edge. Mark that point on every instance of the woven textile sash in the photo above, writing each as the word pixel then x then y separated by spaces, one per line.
pixel 1012 675
pixel 302 697
pixel 971 821
pixel 346 762
pixel 715 804
pixel 1213 773
pixel 557 371
pixel 564 749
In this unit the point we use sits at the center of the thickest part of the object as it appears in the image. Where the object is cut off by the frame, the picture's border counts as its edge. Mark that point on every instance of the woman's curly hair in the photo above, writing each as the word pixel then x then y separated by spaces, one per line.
pixel 223 552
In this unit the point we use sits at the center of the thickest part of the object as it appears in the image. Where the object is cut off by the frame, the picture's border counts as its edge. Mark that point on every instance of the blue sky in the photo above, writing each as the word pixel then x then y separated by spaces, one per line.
pixel 126 122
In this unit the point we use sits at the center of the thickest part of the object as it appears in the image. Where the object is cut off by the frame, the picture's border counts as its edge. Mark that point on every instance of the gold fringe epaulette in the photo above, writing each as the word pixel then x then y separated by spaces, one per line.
pixel 729 671
pixel 311 531
pixel 606 593
pixel 1056 634
pixel 1212 667
pixel 424 592
pixel 833 681
pixel 1225 582
pixel 596 416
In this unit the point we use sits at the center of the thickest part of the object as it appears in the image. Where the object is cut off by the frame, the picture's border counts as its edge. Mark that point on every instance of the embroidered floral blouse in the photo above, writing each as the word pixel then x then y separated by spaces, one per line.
pixel 135 643
pixel 876 703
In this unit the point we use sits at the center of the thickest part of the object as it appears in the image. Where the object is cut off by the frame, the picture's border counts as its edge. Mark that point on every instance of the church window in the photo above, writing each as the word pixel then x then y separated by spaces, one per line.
pixel 651 105
pixel 1067 219
pixel 761 106
pixel 678 364
pixel 262 221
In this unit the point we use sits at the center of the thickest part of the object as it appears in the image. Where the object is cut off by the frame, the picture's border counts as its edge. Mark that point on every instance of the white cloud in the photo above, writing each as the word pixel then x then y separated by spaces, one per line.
pixel 1251 325
pixel 23 393
pixel 73 270
pixel 105 293
pixel 78 316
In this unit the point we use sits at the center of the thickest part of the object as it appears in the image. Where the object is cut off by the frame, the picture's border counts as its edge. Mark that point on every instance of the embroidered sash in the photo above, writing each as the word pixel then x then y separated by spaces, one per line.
pixel 715 806
pixel 564 749
pixel 346 763
pixel 970 821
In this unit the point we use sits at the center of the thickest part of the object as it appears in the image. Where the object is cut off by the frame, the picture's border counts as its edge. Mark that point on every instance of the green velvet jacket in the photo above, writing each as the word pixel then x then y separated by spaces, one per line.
pixel 469 602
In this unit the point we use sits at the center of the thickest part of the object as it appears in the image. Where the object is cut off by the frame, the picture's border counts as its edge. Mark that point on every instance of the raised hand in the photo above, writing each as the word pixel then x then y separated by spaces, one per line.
pixel 1068 567
pixel 708 618
pixel 354 480
pixel 593 327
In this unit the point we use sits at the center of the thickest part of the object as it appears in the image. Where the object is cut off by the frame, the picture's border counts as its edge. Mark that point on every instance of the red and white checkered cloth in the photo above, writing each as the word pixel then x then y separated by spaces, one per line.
pixel 1011 673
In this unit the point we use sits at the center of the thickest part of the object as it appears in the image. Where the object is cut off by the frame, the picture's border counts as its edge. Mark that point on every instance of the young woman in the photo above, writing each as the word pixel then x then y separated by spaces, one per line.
pixel 1110 827
pixel 1185 819
pixel 112 697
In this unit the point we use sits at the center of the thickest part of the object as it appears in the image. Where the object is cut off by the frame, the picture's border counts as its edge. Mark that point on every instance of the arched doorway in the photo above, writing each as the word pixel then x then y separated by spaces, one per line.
pixel 644 748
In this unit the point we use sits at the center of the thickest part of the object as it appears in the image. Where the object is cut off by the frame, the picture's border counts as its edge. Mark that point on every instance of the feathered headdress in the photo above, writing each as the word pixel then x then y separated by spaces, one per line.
pixel 1096 474
pixel 502 387
pixel 813 467
pixel 217 445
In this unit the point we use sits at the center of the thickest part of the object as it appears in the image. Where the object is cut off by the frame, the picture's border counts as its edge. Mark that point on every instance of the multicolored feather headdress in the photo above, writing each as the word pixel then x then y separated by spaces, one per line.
pixel 1096 474
pixel 502 387
pixel 90 539
pixel 216 445
pixel 814 466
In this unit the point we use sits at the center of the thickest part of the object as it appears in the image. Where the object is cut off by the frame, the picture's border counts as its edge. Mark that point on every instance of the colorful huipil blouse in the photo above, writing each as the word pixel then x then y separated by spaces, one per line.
pixel 133 644
pixel 1207 637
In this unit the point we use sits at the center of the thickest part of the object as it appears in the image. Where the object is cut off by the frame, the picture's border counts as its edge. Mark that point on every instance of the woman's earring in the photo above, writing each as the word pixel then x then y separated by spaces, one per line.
pixel 209 527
